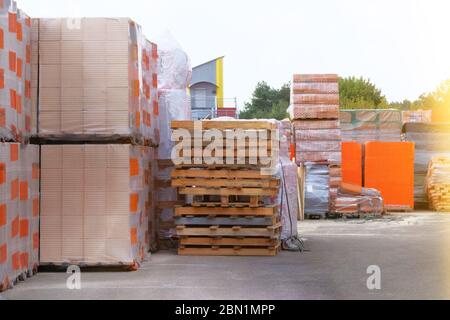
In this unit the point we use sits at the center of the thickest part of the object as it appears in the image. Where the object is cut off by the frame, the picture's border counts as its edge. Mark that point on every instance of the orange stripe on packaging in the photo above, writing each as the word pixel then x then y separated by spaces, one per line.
pixel 12 22
pixel 12 61
pixel 24 259
pixel 2 173
pixel 3 253
pixel 14 189
pixel 2 39
pixel 134 167
pixel 24 190
pixel 24 228
pixel 19 34
pixel 2 118
pixel 16 261
pixel 15 227
pixel 134 238
pixel 35 171
pixel 36 241
pixel 19 68
pixel 14 152
pixel 134 202
pixel 36 207
pixel 2 79
pixel 3 216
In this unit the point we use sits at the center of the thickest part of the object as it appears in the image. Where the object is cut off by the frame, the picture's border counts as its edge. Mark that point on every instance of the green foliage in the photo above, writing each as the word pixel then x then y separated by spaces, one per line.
pixel 268 102
pixel 359 93
pixel 439 99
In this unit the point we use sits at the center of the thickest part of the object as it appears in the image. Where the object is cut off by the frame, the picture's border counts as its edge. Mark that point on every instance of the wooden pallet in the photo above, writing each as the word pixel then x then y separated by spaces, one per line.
pixel 226 221
pixel 230 242
pixel 228 201
pixel 226 192
pixel 231 173
pixel 224 212
pixel 237 231
pixel 224 183
pixel 235 251
pixel 398 208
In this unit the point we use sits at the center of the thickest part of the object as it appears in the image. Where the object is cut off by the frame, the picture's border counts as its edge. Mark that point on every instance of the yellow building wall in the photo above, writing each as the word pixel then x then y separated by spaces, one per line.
pixel 219 82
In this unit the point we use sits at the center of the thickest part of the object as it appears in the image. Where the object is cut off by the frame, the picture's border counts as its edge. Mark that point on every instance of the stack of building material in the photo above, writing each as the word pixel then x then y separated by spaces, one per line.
pixel 389 168
pixel 354 201
pixel 371 125
pixel 15 73
pixel 98 109
pixel 352 163
pixel 97 80
pixel 174 75
pixel 317 190
pixel 19 161
pixel 431 140
pixel 226 211
pixel 418 116
pixel 315 114
pixel 19 212
pixel 95 201
pixel 438 184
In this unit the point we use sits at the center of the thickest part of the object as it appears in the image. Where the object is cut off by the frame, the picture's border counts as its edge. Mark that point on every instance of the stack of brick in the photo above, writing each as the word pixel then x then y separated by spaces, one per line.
pixel 15 73
pixel 417 116
pixel 98 111
pixel 315 115
pixel 19 161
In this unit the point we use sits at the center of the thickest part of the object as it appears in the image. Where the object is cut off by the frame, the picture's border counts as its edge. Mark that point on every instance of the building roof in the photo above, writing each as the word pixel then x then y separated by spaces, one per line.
pixel 213 60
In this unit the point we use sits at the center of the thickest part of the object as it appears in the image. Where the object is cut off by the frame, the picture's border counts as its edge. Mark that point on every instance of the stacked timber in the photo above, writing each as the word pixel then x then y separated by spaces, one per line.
pixel 438 184
pixel 229 209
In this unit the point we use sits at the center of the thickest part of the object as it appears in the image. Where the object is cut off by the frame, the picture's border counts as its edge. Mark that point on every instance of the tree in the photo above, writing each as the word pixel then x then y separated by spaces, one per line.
pixel 268 102
pixel 359 93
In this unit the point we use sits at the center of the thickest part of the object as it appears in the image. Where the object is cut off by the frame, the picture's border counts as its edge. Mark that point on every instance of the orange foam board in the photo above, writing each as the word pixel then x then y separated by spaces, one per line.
pixel 352 163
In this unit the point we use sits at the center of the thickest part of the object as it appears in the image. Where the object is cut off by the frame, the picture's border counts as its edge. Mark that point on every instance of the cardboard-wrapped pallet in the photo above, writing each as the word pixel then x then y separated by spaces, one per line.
pixel 15 74
pixel 96 204
pixel 19 212
pixel 97 80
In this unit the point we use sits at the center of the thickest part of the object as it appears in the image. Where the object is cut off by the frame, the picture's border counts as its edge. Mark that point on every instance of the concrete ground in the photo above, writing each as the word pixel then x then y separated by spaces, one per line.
pixel 412 251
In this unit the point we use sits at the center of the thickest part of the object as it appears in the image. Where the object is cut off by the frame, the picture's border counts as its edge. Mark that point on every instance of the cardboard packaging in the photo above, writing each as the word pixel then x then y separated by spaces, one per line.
pixel 96 204
pixel 19 212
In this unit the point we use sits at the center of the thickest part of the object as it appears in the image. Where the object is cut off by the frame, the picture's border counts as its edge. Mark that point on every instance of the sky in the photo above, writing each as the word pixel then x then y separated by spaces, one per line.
pixel 401 45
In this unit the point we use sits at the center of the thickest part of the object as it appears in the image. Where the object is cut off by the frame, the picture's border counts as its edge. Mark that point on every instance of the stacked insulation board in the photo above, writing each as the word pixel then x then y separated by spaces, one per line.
pixel 431 140
pixel 438 184
pixel 97 79
pixel 389 168
pixel 19 212
pixel 15 74
pixel 418 116
pixel 371 125
pixel 95 204
pixel 315 115
pixel 231 206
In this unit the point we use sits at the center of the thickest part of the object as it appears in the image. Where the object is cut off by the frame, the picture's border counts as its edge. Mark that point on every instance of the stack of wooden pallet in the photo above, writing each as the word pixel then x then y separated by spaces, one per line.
pixel 229 208
pixel 438 184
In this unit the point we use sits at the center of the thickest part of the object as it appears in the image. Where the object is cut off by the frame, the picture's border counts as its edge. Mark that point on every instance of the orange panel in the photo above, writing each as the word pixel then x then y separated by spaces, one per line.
pixel 134 167
pixel 2 173
pixel 134 202
pixel 24 228
pixel 24 190
pixel 14 152
pixel 389 168
pixel 352 163
pixel 3 216
pixel 3 253
pixel 134 238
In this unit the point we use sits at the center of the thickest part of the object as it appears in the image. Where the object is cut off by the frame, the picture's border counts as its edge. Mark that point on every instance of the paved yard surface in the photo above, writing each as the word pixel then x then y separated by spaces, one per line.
pixel 412 251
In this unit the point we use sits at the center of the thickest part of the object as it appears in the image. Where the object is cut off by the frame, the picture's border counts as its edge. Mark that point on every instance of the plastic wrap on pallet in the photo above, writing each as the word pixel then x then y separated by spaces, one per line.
pixel 15 74
pixel 315 88
pixel 352 199
pixel 315 78
pixel 320 157
pixel 418 116
pixel 310 111
pixel 316 124
pixel 320 134
pixel 98 78
pixel 317 194
pixel 431 140
pixel 95 204
pixel 175 105
pixel 286 140
pixel 19 212
pixel 318 146
pixel 371 125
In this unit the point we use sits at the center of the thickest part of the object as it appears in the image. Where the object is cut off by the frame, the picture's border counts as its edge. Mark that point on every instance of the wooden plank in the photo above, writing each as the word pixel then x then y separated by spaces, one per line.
pixel 226 183
pixel 256 252
pixel 215 231
pixel 220 174
pixel 225 125
pixel 230 192
pixel 169 204
pixel 219 211
pixel 225 221
pixel 242 242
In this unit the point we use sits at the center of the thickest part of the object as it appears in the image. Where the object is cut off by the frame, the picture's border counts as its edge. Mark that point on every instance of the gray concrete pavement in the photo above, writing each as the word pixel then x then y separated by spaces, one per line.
pixel 411 250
